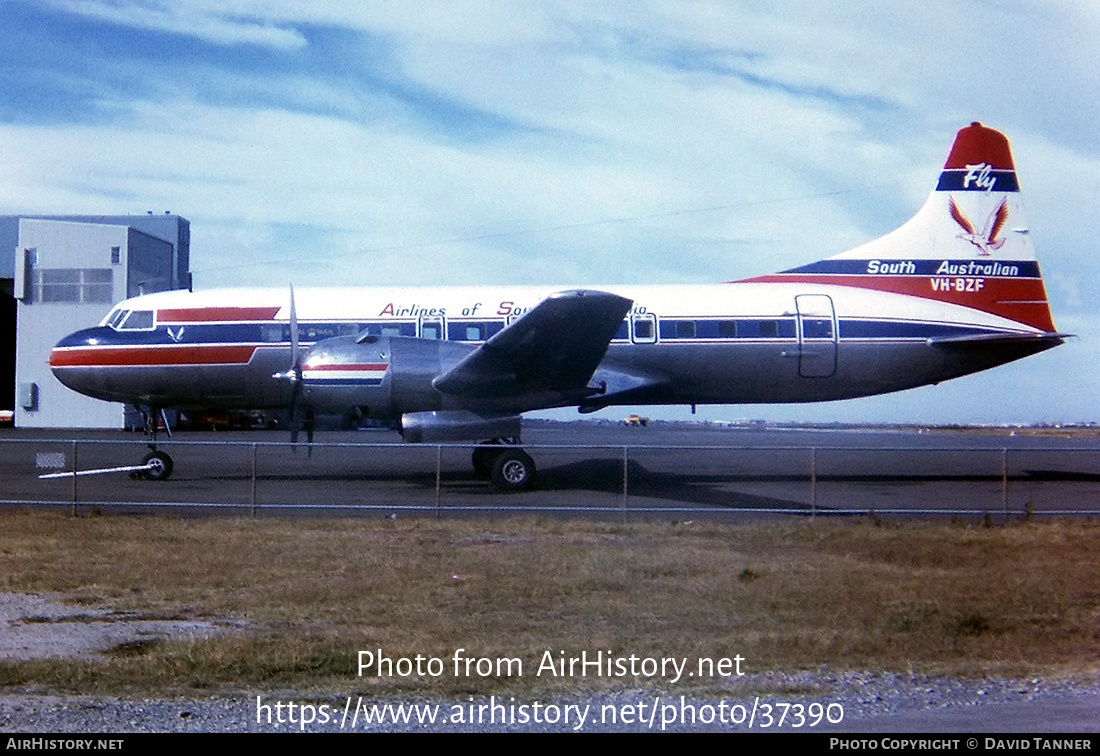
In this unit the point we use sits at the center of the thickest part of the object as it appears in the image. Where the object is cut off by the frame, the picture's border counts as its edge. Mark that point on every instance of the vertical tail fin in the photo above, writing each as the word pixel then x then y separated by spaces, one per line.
pixel 968 245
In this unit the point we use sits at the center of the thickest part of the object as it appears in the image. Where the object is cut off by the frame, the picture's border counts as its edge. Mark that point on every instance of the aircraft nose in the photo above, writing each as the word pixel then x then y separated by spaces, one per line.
pixel 65 352
pixel 70 358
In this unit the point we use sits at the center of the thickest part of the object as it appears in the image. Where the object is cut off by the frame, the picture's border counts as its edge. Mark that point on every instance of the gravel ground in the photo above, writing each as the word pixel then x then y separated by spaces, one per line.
pixel 872 702
pixel 36 626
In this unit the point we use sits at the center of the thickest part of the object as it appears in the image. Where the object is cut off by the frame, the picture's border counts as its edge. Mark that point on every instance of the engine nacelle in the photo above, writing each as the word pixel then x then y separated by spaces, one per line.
pixel 342 376
pixel 380 377
pixel 457 425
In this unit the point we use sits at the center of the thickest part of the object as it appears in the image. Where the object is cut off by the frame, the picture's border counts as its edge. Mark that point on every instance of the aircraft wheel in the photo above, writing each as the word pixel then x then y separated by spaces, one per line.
pixel 483 459
pixel 513 470
pixel 159 466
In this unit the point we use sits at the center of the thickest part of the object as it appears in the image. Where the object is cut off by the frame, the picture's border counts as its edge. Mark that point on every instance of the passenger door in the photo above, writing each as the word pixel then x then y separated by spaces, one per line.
pixel 817 335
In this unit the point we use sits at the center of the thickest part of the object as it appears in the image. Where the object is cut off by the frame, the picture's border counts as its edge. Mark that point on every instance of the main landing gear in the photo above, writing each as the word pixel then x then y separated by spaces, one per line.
pixel 158 464
pixel 504 464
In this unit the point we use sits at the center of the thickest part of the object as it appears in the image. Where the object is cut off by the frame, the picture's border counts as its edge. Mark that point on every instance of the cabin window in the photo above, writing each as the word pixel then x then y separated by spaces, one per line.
pixel 476 331
pixel 430 331
pixel 319 331
pixel 727 329
pixel 271 334
pixel 817 328
pixel 389 328
pixel 764 329
pixel 114 317
pixel 678 329
pixel 643 329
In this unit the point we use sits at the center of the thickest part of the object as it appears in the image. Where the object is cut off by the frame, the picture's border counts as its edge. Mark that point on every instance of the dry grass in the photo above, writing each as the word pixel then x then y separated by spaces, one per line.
pixel 1023 598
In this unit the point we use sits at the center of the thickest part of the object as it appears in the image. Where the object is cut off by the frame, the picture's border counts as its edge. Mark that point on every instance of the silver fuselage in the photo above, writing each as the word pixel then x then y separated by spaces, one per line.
pixel 723 344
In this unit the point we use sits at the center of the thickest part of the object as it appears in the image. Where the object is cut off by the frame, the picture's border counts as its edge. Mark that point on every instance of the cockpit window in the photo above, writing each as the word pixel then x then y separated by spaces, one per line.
pixel 115 317
pixel 137 320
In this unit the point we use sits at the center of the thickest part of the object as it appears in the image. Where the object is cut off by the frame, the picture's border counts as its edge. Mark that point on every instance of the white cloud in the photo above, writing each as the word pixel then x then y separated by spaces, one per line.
pixel 210 22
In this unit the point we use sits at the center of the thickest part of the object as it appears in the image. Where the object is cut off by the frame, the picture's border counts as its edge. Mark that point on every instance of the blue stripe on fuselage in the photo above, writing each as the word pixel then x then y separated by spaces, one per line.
pixel 854 328
pixel 671 329
pixel 342 381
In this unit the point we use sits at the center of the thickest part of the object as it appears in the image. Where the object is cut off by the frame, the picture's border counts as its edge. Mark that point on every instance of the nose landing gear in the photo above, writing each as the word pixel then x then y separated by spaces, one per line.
pixel 158 464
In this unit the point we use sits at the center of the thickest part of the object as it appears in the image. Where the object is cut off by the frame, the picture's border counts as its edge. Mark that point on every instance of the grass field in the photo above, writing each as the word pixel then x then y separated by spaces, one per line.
pixel 1022 598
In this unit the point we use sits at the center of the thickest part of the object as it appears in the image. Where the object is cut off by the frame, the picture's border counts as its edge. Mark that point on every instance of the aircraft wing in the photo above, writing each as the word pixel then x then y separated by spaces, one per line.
pixel 555 346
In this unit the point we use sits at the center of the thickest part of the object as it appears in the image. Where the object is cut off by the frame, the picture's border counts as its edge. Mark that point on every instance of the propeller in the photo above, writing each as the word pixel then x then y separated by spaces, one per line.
pixel 294 377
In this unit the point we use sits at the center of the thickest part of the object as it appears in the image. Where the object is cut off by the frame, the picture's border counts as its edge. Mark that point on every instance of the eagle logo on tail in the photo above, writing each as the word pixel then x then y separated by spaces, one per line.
pixel 986 241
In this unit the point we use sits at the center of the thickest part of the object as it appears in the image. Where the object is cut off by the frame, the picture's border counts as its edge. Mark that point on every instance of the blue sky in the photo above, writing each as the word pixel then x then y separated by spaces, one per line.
pixel 565 143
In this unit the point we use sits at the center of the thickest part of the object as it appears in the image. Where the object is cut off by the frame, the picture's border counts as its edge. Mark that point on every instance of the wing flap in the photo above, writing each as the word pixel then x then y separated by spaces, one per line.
pixel 556 346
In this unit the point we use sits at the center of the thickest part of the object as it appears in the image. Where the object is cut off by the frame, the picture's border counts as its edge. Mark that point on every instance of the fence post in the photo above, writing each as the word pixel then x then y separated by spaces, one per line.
pixel 625 482
pixel 252 494
pixel 438 473
pixel 74 478
pixel 813 482
pixel 1004 480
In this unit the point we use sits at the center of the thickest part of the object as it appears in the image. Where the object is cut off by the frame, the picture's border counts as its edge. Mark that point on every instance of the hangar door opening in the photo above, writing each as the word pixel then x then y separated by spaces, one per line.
pixel 7 351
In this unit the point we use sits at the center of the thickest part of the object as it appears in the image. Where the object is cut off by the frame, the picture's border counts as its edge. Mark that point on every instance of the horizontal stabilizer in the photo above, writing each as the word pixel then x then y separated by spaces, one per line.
pixel 1051 339
pixel 995 348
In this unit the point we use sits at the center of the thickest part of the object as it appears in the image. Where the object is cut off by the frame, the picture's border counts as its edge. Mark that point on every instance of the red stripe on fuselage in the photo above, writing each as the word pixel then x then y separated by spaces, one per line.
pixel 220 314
pixel 146 356
pixel 1021 299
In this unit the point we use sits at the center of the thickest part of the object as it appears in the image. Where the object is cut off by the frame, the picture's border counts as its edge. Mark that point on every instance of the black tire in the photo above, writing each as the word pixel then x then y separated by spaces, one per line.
pixel 484 456
pixel 513 470
pixel 158 464
pixel 483 459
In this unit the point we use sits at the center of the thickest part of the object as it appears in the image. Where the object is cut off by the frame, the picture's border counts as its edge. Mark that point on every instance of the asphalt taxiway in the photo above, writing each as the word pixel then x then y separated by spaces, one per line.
pixel 666 469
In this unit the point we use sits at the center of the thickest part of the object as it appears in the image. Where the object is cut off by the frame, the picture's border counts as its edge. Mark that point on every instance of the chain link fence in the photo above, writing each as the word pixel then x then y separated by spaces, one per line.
pixel 394 480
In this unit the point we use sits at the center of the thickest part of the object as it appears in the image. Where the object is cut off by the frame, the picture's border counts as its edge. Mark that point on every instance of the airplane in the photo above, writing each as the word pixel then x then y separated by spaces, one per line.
pixel 953 291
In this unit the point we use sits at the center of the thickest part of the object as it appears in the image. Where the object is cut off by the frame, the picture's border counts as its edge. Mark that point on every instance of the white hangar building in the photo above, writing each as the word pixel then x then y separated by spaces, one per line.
pixel 63 273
